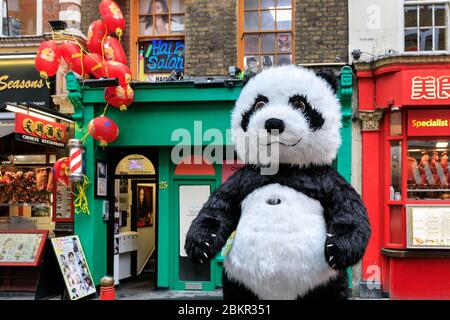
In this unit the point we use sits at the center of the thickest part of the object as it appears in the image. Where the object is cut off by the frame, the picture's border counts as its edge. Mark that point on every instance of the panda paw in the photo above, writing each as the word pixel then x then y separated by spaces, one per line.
pixel 203 248
pixel 331 252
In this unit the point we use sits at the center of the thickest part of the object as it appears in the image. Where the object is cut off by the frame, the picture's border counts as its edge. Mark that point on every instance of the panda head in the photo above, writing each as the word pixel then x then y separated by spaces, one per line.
pixel 292 108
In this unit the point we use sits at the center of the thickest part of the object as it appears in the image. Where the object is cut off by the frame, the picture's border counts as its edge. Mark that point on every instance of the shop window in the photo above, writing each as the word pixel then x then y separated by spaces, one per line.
pixel 396 170
pixel 267 34
pixel 161 39
pixel 426 26
pixel 428 170
pixel 20 17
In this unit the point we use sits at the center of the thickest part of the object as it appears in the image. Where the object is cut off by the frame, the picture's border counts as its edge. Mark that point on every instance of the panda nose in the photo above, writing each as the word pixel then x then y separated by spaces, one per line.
pixel 274 124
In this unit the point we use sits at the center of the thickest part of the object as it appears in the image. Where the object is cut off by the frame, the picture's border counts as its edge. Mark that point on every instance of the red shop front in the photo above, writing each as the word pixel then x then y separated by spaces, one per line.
pixel 404 107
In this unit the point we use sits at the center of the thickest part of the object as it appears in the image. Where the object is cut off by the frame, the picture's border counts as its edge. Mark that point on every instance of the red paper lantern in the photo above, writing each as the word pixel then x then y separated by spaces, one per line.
pixel 113 50
pixel 93 63
pixel 118 70
pixel 120 97
pixel 104 130
pixel 96 33
pixel 73 55
pixel 47 59
pixel 61 171
pixel 113 17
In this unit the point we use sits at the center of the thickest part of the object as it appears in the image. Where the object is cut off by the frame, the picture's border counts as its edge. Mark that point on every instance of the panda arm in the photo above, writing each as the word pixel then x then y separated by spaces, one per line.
pixel 216 220
pixel 348 228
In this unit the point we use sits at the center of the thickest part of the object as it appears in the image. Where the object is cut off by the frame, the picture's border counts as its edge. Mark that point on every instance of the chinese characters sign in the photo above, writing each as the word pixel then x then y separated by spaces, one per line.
pixel 36 130
pixel 430 87
pixel 162 56
pixel 432 123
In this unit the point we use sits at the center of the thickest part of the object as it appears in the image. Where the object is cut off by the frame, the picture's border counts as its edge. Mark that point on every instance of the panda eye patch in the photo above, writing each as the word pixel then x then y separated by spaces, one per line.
pixel 314 117
pixel 259 103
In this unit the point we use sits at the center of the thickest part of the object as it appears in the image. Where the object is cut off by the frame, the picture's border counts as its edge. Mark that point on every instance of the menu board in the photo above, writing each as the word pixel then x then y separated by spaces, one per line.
pixel 428 227
pixel 21 247
pixel 63 207
pixel 74 267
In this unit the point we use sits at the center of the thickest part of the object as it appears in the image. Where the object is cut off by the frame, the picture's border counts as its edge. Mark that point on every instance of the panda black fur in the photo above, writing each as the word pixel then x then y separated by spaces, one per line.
pixel 299 229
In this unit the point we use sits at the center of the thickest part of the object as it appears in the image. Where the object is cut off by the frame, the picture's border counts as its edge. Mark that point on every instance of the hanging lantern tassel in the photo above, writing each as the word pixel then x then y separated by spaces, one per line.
pixel 81 202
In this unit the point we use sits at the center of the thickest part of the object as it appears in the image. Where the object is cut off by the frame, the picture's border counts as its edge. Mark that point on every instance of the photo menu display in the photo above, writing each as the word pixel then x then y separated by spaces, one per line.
pixel 429 227
pixel 20 248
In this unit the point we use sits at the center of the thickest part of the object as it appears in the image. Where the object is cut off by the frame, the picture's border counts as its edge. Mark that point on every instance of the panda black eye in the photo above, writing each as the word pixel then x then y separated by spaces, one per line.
pixel 299 105
pixel 259 105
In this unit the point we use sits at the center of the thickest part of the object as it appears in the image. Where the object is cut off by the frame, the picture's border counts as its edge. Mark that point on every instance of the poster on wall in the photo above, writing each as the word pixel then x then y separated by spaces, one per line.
pixel 101 178
pixel 63 207
pixel 145 207
pixel 74 267
pixel 428 227
pixel 22 247
pixel 191 200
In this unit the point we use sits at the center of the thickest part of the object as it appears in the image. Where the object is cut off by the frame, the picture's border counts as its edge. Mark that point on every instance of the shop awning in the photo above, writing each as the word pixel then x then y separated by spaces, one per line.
pixel 7 125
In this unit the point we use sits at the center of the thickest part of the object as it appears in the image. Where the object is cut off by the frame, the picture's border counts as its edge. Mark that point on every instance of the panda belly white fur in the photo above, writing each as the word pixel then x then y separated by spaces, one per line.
pixel 278 250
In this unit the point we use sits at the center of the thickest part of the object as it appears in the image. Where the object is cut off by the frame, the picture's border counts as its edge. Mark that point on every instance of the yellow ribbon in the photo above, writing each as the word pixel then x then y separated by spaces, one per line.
pixel 81 202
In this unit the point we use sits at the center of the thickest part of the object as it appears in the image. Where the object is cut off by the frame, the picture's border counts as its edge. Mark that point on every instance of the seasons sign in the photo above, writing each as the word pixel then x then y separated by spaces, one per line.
pixel 162 56
pixel 20 83
pixel 36 130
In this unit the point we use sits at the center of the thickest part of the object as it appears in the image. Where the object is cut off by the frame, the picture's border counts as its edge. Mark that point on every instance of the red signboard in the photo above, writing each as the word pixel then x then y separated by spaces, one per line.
pixel 36 130
pixel 429 123
pixel 426 87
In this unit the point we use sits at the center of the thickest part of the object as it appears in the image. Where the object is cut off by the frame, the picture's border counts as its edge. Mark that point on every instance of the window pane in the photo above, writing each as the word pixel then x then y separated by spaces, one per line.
pixel 268 20
pixel 428 170
pixel 145 26
pixel 410 16
pixel 177 23
pixel 284 59
pixel 440 39
pixel 426 15
pixel 267 4
pixel 161 25
pixel 251 44
pixel 251 5
pixel 284 18
pixel 440 14
pixel 284 42
pixel 267 61
pixel 268 43
pixel 251 21
pixel 396 123
pixel 144 6
pixel 159 7
pixel 411 40
pixel 286 4
pixel 251 64
pixel 22 17
pixel 177 6
pixel 396 170
pixel 426 40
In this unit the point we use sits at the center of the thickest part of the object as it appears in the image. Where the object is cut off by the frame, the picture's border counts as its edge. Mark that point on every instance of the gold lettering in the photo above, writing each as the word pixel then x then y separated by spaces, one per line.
pixel 19 84
pixel 430 123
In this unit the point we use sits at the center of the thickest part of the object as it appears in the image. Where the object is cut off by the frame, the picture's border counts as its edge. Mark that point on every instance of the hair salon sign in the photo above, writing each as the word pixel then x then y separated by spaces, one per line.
pixel 162 56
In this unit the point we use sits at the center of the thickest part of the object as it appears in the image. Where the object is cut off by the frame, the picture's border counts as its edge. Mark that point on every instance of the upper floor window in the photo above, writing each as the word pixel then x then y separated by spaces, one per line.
pixel 266 34
pixel 20 17
pixel 426 26
pixel 161 17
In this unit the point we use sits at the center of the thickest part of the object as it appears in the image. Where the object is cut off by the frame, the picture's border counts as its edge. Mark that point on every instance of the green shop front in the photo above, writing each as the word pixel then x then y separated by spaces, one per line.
pixel 146 187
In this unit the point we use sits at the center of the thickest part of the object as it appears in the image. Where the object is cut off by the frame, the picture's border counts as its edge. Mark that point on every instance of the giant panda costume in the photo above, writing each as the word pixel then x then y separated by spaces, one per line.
pixel 296 230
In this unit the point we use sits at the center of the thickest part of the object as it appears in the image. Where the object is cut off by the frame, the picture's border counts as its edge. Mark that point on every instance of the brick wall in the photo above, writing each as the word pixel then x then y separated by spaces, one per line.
pixel 211 33
pixel 50 11
pixel 321 31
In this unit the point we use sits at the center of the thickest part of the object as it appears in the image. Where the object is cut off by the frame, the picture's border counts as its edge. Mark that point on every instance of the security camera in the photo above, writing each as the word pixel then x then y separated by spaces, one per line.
pixel 356 54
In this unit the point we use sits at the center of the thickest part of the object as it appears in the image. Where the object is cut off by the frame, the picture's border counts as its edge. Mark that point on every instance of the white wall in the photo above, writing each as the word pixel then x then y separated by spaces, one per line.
pixel 375 26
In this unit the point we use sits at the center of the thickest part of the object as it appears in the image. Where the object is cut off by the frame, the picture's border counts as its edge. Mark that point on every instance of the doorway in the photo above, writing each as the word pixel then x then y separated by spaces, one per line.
pixel 132 229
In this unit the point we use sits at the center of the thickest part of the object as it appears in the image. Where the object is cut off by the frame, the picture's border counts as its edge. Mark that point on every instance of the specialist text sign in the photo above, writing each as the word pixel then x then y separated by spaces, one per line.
pixel 35 130
pixel 429 122
pixel 20 83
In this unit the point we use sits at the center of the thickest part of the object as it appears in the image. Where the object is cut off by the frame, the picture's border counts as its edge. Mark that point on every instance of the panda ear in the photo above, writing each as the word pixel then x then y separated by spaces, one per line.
pixel 330 77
